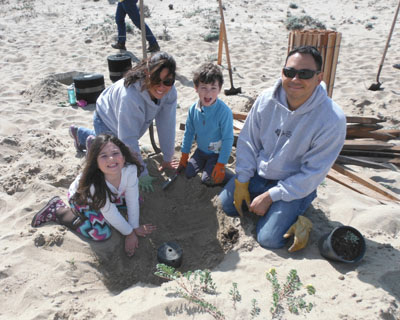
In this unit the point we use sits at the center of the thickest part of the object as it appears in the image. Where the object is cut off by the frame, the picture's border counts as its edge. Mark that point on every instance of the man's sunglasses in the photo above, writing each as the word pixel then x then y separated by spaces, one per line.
pixel 167 82
pixel 304 74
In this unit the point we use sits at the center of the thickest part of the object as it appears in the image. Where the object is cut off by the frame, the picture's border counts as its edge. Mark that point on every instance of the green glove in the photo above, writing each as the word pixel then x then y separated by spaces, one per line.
pixel 145 183
pixel 241 194
pixel 301 230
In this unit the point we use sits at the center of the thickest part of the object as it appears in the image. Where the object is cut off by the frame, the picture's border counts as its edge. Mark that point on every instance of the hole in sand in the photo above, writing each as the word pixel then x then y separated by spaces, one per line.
pixel 187 214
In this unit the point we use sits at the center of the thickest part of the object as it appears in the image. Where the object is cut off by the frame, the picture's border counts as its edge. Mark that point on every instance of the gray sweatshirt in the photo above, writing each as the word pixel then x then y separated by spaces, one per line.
pixel 128 112
pixel 297 148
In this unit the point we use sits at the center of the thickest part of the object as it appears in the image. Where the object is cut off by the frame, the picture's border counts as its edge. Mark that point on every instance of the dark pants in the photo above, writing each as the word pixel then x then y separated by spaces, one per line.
pixel 128 7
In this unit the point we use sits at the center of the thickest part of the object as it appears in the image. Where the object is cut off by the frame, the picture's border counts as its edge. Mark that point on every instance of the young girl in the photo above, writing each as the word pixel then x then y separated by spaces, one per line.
pixel 108 181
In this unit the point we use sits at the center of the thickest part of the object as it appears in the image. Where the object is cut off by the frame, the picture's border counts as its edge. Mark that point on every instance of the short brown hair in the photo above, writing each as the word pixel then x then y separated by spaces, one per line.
pixel 208 73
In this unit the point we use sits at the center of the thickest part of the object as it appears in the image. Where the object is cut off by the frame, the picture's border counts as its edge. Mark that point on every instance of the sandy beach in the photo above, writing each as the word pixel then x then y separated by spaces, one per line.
pixel 52 273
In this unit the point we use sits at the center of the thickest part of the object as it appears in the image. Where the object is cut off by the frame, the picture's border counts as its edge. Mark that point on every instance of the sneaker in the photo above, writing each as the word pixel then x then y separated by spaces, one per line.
pixel 89 141
pixel 48 212
pixel 153 47
pixel 73 132
pixel 119 45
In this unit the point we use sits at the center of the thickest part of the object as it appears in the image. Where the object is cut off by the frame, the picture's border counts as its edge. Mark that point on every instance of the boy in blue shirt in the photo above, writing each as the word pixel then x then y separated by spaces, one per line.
pixel 210 122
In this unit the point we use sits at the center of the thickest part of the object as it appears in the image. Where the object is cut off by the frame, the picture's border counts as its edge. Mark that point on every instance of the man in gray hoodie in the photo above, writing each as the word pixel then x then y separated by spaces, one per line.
pixel 291 137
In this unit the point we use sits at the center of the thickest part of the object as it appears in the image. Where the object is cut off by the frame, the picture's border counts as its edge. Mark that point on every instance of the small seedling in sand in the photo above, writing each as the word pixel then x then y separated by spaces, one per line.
pixel 235 295
pixel 369 26
pixel 72 263
pixel 285 295
pixel 255 310
pixel 192 285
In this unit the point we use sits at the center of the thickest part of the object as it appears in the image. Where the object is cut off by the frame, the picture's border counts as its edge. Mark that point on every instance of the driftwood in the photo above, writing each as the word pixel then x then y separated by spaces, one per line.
pixel 362 185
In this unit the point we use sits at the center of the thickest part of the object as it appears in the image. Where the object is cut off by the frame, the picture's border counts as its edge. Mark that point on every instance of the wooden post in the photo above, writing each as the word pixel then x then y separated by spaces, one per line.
pixel 143 29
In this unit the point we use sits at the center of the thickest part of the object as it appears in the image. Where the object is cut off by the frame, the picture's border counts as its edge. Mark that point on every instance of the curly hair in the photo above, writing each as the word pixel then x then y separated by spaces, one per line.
pixel 92 175
pixel 149 70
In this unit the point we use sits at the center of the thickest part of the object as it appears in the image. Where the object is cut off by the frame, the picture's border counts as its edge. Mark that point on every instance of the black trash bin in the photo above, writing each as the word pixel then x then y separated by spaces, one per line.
pixel 118 64
pixel 88 86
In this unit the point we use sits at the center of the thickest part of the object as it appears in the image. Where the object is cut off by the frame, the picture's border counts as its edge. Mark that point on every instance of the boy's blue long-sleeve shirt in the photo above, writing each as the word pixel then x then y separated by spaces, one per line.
pixel 213 128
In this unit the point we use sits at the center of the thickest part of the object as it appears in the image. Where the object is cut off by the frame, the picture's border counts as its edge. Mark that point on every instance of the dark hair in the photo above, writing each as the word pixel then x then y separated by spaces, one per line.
pixel 149 69
pixel 208 73
pixel 92 175
pixel 308 50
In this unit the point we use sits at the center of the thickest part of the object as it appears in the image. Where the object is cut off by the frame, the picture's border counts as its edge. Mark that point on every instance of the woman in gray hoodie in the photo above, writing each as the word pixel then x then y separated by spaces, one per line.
pixel 128 107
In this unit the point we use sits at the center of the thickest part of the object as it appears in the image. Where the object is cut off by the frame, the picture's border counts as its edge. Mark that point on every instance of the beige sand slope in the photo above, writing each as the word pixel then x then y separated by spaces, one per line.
pixel 51 273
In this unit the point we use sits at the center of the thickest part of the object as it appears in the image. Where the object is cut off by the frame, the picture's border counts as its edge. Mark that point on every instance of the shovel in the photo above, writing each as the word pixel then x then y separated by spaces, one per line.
pixel 376 86
pixel 169 181
pixel 232 90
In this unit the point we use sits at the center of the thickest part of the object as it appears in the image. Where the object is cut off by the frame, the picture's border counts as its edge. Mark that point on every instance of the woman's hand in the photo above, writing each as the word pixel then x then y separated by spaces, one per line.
pixel 131 243
pixel 145 229
pixel 169 165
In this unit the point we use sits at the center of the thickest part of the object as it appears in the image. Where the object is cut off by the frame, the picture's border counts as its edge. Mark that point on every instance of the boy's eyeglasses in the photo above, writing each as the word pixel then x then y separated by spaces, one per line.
pixel 167 82
pixel 304 74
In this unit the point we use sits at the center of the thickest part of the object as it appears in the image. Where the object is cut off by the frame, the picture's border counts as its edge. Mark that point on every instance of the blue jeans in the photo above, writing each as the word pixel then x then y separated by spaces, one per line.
pixel 280 216
pixel 206 162
pixel 128 7
pixel 99 128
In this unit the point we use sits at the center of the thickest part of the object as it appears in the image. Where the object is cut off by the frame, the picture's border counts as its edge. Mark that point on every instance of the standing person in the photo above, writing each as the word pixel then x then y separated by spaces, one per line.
pixel 291 137
pixel 127 108
pixel 108 182
pixel 129 7
pixel 209 120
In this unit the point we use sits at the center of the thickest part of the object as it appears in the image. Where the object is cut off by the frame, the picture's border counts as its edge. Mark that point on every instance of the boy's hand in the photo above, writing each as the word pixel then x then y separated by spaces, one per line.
pixel 218 174
pixel 131 243
pixel 183 162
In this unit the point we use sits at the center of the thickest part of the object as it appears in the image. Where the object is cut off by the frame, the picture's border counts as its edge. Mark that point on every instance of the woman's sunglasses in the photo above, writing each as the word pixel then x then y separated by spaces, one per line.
pixel 304 74
pixel 167 82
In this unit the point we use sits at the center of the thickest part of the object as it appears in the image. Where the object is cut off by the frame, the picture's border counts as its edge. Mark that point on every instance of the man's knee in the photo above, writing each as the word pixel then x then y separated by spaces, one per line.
pixel 270 241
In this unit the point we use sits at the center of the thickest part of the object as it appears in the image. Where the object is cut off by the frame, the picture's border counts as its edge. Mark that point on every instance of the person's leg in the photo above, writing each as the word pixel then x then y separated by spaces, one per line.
pixel 133 12
pixel 280 216
pixel 92 224
pixel 226 198
pixel 211 160
pixel 120 21
pixel 195 164
pixel 99 126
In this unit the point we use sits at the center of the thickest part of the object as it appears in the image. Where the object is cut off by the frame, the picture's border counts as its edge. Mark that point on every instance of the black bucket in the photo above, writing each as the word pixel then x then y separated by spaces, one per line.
pixel 333 245
pixel 118 64
pixel 88 86
pixel 170 253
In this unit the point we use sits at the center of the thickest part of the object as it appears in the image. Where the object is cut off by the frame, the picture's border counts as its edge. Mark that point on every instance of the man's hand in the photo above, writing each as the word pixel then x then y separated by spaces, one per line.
pixel 301 231
pixel 261 204
pixel 145 183
pixel 183 162
pixel 241 194
pixel 131 243
pixel 218 173
pixel 169 165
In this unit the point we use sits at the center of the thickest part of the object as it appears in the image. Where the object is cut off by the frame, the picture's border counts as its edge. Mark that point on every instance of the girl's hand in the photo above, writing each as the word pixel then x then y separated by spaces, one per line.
pixel 131 243
pixel 169 165
pixel 145 229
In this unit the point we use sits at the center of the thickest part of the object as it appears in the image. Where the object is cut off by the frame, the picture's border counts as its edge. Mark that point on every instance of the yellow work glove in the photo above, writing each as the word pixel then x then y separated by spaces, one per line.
pixel 301 230
pixel 218 173
pixel 183 162
pixel 241 194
